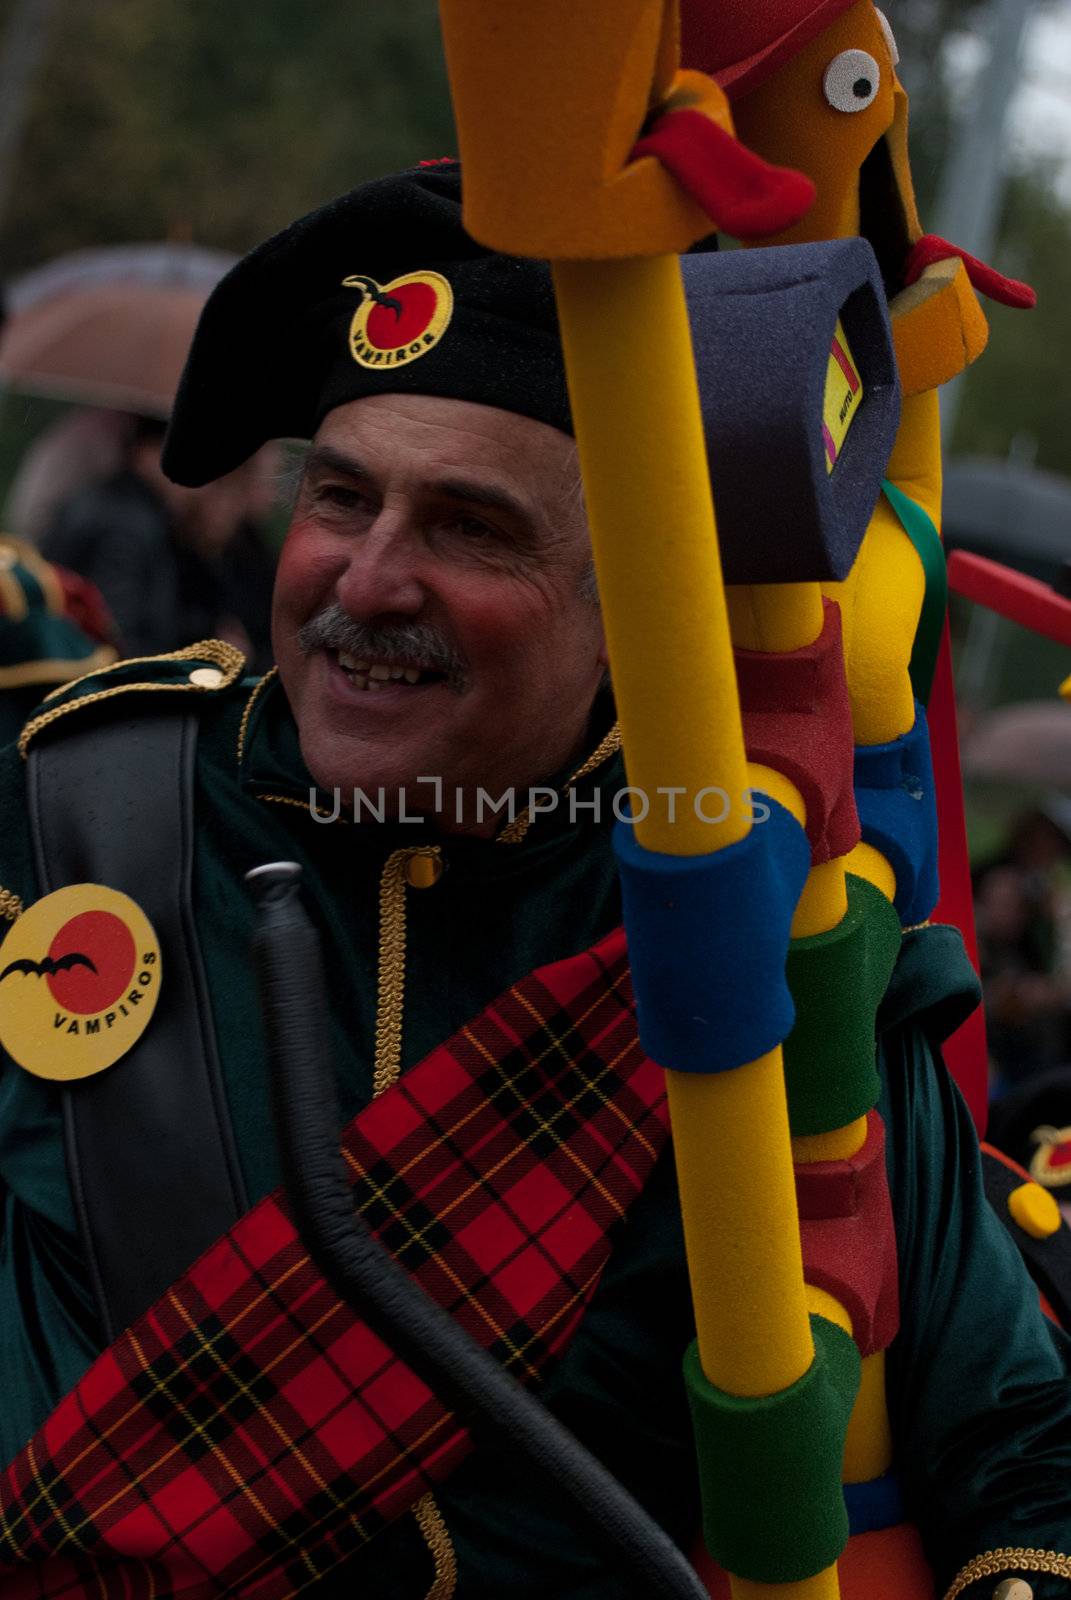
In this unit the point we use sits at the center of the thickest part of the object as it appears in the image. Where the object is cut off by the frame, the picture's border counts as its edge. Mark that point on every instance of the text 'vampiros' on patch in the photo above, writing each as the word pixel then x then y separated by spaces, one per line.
pixel 79 981
pixel 400 321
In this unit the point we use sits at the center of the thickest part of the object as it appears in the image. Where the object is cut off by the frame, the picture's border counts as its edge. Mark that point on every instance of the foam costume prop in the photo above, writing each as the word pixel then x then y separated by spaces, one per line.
pixel 772 1376
pixel 816 86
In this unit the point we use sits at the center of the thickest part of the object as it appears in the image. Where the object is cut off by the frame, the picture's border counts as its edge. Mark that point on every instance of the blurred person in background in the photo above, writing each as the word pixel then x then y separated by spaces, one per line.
pixel 84 446
pixel 1023 909
pixel 174 565
pixel 53 627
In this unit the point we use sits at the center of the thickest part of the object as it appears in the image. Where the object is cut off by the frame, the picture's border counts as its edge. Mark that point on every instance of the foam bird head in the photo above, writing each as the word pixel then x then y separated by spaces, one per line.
pixel 816 87
pixel 550 111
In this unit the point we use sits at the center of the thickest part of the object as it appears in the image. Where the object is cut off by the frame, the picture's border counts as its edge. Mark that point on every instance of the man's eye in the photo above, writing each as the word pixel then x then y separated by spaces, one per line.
pixel 339 495
pixel 469 527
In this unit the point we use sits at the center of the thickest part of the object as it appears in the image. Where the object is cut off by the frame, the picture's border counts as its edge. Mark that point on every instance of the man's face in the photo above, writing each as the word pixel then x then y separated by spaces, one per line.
pixel 446 539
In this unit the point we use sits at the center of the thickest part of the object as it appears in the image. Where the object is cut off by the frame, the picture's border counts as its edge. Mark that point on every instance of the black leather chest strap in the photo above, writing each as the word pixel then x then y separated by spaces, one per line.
pixel 150 1151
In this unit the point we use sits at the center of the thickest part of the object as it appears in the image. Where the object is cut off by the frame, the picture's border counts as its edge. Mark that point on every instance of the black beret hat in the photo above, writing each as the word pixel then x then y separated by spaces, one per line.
pixel 379 292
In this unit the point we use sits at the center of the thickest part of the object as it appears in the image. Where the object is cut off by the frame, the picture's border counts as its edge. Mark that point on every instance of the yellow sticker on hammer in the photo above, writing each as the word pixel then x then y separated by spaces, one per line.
pixel 844 396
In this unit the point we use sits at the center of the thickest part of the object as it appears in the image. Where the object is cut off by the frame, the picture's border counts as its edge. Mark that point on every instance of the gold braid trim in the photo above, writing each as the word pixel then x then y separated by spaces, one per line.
pixel 261 685
pixel 390 1002
pixel 390 992
pixel 516 830
pixel 11 907
pixel 229 660
pixel 31 674
pixel 441 1546
pixel 998 1563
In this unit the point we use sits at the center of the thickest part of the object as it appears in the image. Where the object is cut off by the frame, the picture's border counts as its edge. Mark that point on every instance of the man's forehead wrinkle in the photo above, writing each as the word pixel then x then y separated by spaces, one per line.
pixel 327 457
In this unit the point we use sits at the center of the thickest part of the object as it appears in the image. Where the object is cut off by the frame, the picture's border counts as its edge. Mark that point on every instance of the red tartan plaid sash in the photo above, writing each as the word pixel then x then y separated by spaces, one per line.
pixel 249 1433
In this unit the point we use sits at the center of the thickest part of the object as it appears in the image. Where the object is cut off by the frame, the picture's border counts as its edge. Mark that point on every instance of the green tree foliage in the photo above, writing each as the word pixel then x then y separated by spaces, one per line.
pixel 218 120
pixel 1016 398
pixel 222 120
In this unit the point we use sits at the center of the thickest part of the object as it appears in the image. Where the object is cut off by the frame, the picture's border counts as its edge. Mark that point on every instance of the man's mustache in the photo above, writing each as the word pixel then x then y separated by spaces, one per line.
pixel 399 643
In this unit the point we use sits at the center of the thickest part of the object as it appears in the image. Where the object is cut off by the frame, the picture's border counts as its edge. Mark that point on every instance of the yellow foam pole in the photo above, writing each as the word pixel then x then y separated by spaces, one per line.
pixel 737 1187
pixel 823 1587
pixel 647 489
pixel 655 548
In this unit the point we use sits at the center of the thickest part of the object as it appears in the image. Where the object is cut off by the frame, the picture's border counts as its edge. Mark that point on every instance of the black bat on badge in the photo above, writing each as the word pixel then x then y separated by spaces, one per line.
pixel 371 288
pixel 40 969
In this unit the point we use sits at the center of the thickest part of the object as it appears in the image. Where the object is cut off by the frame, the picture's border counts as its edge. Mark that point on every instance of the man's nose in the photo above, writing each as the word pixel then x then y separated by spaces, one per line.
pixel 382 573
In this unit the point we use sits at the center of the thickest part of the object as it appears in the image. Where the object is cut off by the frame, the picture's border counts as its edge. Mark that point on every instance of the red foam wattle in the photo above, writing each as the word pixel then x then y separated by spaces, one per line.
pixel 741 194
pixel 987 280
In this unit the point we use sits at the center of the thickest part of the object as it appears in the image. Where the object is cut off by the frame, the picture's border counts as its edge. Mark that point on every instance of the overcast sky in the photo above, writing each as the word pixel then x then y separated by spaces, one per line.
pixel 1041 114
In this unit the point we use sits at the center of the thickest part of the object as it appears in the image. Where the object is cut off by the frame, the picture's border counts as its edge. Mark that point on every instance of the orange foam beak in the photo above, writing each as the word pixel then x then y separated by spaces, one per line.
pixel 550 101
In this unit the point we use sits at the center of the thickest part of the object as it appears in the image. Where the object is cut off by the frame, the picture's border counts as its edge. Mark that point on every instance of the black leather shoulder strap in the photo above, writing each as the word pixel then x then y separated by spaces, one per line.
pixel 150 1150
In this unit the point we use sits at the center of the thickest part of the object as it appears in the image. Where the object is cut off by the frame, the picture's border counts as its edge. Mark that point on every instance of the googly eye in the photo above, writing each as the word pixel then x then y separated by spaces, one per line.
pixel 890 37
pixel 852 81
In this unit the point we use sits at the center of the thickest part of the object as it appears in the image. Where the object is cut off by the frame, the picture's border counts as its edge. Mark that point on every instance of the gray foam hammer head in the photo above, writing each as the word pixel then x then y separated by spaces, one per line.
pixel 763 325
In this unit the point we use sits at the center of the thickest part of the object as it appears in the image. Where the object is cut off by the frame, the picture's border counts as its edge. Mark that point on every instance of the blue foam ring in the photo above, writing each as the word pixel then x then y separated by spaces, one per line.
pixel 873 1507
pixel 708 938
pixel 897 803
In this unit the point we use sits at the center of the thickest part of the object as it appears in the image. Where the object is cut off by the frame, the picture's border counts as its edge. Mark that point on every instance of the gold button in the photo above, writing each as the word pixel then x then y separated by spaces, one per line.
pixel 1036 1212
pixel 206 677
pixel 1013 1589
pixel 423 869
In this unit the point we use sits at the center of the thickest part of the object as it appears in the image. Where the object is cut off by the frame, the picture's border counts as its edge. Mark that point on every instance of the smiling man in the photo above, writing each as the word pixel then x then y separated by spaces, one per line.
pixel 439 648
pixel 434 617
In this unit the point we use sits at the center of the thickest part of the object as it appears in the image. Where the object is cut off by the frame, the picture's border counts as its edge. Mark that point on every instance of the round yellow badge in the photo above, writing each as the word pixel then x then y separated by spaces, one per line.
pixel 400 321
pixel 79 981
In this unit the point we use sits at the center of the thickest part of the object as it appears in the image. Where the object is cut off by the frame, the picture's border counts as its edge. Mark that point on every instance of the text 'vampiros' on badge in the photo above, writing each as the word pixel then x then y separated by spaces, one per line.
pixel 79 981
pixel 399 321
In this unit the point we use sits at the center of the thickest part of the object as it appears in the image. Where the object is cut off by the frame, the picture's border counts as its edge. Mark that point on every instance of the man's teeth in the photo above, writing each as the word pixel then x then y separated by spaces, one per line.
pixel 374 675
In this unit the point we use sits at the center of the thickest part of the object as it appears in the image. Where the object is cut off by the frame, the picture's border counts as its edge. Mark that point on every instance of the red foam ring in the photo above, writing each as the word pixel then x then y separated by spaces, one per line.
pixel 849 1244
pixel 798 720
pixel 965 1052
pixel 890 1565
pixel 1011 594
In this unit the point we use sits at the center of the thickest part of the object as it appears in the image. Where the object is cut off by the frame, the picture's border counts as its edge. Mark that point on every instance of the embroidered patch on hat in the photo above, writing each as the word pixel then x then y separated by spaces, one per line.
pixel 1051 1164
pixel 400 321
pixel 79 981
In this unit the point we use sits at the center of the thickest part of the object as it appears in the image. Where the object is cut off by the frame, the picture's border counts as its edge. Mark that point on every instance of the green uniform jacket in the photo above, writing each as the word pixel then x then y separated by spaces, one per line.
pixel 978 1381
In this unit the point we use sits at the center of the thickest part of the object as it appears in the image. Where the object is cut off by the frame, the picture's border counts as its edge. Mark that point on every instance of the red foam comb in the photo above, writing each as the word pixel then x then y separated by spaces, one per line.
pixel 742 194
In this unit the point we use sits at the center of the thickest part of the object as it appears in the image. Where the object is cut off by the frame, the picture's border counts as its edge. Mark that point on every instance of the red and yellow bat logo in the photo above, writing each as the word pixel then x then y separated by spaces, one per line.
pixel 79 981
pixel 400 321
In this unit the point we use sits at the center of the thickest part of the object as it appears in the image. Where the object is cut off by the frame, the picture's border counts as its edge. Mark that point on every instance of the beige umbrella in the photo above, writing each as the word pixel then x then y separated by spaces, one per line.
pixel 108 327
pixel 1029 743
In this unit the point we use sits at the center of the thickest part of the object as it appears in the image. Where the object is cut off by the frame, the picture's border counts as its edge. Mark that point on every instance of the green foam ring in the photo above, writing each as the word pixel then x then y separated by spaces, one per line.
pixel 770 1469
pixel 920 529
pixel 838 980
